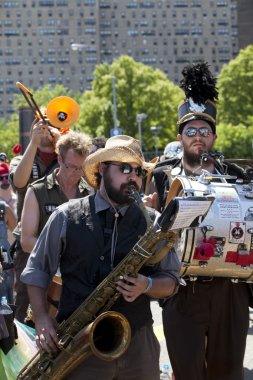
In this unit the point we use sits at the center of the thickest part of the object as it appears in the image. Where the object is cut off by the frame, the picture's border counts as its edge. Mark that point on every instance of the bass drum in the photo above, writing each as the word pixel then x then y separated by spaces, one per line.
pixel 222 244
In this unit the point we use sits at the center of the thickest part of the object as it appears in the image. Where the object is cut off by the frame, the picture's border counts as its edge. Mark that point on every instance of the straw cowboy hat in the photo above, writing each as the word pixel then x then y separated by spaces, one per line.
pixel 119 148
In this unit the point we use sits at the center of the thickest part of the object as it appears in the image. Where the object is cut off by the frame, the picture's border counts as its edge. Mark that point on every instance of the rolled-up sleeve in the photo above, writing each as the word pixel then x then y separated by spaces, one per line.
pixel 169 266
pixel 44 259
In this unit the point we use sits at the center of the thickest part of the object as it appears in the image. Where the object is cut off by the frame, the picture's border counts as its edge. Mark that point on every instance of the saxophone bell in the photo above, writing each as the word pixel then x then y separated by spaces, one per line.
pixel 107 338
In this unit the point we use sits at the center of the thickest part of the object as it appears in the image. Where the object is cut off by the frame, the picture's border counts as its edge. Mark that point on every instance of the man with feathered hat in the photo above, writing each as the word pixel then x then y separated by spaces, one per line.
pixel 88 238
pixel 206 322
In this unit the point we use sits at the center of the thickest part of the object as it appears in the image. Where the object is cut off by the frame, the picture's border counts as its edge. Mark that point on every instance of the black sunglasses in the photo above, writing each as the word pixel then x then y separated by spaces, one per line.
pixel 2 177
pixel 192 132
pixel 126 168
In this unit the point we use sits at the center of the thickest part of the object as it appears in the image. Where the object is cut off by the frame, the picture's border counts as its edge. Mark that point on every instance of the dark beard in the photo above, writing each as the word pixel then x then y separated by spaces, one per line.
pixel 192 159
pixel 120 196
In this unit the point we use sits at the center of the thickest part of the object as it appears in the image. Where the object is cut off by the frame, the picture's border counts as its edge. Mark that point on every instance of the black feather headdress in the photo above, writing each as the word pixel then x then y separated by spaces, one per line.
pixel 201 94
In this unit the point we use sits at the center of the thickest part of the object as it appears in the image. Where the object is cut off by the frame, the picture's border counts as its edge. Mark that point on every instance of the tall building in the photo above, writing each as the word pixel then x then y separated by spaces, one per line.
pixel 61 41
pixel 245 23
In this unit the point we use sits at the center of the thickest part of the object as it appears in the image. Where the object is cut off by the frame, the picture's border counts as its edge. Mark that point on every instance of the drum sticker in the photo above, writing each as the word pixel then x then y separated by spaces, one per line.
pixel 229 210
pixel 226 195
pixel 228 204
pixel 249 215
pixel 219 245
pixel 237 232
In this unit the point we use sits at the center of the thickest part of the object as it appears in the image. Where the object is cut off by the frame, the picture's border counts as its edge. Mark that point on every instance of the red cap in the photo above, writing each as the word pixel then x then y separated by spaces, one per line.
pixel 4 168
pixel 17 149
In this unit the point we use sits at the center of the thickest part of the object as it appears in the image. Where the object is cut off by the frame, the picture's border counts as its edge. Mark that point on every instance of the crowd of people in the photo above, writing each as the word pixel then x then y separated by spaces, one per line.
pixel 67 201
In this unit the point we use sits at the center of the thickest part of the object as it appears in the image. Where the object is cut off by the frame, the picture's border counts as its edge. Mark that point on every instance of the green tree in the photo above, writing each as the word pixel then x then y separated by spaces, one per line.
pixel 139 89
pixel 235 83
pixel 235 116
pixel 43 95
pixel 9 133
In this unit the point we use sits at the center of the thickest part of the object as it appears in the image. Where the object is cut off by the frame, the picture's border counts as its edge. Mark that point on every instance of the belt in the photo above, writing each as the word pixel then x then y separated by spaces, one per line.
pixel 201 279
pixel 207 279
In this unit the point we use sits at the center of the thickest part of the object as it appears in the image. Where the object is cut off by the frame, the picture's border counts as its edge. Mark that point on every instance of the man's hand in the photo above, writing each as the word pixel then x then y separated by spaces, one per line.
pixel 41 130
pixel 132 287
pixel 46 338
pixel 151 200
pixel 54 134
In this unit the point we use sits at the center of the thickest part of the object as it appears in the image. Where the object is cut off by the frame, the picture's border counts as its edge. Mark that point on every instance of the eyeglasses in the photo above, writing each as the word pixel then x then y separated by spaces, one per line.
pixel 126 168
pixel 192 132
pixel 2 177
pixel 72 167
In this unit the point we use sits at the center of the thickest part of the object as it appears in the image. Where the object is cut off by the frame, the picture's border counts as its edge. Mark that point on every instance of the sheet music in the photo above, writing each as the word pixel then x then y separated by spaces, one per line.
pixel 188 210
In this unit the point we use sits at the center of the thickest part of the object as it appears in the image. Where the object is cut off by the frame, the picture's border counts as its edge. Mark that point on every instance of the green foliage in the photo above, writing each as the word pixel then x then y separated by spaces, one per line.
pixel 235 141
pixel 42 96
pixel 10 135
pixel 139 89
pixel 235 83
pixel 235 108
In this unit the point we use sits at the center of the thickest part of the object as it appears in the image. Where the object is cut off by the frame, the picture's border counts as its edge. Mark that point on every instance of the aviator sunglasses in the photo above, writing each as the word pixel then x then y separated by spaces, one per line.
pixel 192 132
pixel 126 168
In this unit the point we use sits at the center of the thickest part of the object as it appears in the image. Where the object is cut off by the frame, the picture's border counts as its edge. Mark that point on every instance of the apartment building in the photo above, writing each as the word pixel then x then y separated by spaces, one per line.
pixel 245 23
pixel 61 41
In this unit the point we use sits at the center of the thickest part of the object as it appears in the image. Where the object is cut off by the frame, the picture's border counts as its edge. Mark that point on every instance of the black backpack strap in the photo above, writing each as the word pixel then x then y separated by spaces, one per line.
pixel 53 165
pixel 161 179
pixel 36 170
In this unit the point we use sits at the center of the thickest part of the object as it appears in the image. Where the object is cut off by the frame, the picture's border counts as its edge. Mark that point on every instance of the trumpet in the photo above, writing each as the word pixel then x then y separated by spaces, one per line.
pixel 61 112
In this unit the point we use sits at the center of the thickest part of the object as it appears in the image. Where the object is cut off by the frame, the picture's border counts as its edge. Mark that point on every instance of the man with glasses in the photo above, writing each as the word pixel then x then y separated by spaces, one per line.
pixel 88 237
pixel 206 322
pixel 64 183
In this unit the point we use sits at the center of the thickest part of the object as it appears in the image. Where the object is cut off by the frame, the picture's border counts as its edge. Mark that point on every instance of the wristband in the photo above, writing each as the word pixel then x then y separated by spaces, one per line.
pixel 150 283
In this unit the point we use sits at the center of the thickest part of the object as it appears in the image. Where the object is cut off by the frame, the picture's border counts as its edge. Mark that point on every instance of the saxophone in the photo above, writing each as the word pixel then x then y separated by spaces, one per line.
pixel 93 315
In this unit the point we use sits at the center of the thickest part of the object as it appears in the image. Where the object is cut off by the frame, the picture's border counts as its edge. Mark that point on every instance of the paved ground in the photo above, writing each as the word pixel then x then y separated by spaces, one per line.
pixel 164 359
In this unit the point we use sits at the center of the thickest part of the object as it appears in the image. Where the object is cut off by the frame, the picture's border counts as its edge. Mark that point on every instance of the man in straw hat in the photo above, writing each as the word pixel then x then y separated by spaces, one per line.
pixel 89 237
pixel 206 322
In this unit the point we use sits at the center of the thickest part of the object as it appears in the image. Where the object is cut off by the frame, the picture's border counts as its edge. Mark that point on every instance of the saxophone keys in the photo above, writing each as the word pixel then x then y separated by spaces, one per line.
pixel 64 342
pixel 44 366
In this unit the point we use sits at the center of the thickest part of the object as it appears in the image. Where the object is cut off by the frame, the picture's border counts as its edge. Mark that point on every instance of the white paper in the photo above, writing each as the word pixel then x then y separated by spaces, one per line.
pixel 188 211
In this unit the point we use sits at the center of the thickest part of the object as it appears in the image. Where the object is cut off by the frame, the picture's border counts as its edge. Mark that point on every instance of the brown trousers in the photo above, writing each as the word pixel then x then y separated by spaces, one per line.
pixel 140 362
pixel 206 327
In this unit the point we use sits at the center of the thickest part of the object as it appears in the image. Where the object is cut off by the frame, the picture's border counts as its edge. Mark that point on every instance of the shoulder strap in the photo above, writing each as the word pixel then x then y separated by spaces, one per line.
pixel 53 164
pixel 36 170
pixel 161 179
